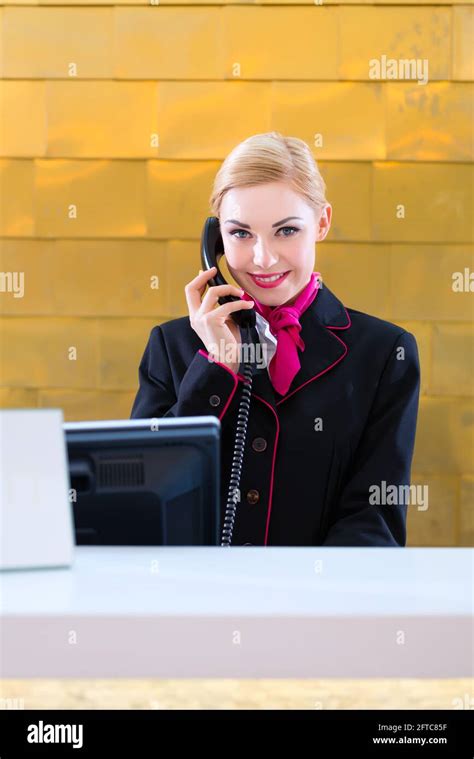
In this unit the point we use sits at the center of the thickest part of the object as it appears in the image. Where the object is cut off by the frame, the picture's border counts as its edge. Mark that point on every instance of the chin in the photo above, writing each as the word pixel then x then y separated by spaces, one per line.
pixel 274 298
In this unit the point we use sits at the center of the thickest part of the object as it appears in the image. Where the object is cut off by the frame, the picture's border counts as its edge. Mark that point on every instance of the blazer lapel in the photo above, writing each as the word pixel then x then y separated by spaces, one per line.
pixel 324 349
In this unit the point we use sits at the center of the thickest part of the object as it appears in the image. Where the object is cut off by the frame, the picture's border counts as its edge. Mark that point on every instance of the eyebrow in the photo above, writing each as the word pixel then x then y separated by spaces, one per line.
pixel 247 226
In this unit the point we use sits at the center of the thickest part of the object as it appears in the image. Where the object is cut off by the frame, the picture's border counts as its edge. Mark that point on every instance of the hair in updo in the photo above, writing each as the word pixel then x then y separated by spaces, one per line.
pixel 270 157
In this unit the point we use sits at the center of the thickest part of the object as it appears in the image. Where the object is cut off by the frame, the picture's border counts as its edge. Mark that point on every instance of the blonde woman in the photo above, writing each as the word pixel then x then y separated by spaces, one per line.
pixel 334 397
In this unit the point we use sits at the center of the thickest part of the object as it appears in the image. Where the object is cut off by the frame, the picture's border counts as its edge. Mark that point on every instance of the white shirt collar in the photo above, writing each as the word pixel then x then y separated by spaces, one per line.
pixel 263 328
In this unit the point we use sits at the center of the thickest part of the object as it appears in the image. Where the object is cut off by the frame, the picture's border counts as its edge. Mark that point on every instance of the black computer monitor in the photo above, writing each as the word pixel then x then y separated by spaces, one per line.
pixel 145 481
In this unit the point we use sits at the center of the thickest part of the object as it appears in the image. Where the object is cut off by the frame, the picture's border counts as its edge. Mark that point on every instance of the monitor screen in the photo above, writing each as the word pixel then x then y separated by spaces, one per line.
pixel 145 481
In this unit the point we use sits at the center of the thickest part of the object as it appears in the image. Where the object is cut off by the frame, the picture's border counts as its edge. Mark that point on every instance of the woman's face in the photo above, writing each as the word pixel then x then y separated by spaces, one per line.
pixel 269 229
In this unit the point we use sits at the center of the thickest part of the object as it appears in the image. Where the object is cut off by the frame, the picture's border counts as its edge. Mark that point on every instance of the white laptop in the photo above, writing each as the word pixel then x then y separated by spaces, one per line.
pixel 36 516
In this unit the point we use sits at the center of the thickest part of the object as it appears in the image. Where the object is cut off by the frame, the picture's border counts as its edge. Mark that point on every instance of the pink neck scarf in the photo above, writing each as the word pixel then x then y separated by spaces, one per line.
pixel 285 326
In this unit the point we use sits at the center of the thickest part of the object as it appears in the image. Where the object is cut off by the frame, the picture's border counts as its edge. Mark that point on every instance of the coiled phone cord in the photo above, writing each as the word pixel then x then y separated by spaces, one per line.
pixel 233 495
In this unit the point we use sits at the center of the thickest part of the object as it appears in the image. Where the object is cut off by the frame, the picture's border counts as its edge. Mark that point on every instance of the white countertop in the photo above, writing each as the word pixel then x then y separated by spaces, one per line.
pixel 242 612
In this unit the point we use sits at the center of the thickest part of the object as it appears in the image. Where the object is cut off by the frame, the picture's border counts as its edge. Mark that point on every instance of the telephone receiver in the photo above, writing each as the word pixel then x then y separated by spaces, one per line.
pixel 212 248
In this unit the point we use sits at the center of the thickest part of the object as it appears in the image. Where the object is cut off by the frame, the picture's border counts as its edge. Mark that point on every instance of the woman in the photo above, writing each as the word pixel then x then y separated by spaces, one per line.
pixel 334 401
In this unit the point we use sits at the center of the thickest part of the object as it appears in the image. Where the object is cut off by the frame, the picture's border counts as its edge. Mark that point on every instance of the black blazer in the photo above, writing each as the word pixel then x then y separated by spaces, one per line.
pixel 302 485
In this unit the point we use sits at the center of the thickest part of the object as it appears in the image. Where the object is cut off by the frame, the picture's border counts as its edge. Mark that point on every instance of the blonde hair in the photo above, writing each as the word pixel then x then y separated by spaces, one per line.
pixel 270 157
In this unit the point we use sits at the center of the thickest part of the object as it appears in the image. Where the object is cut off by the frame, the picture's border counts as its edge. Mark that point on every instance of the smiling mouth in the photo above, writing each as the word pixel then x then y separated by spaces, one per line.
pixel 267 278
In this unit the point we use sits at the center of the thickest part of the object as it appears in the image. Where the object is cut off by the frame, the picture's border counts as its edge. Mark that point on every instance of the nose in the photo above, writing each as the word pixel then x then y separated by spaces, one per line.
pixel 263 257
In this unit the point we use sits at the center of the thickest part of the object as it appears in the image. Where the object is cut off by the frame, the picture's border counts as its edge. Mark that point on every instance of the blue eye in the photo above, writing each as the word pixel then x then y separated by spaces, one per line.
pixel 293 229
pixel 233 233
pixel 237 232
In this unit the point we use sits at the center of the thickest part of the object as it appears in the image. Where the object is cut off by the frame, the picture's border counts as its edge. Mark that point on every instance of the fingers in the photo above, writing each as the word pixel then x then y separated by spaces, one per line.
pixel 228 308
pixel 195 289
pixel 214 293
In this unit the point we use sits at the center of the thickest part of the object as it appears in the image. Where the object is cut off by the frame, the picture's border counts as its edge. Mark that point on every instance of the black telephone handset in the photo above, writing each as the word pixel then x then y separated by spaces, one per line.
pixel 212 247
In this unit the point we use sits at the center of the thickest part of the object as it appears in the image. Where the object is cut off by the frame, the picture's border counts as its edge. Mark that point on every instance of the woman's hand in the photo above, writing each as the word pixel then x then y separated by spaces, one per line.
pixel 215 326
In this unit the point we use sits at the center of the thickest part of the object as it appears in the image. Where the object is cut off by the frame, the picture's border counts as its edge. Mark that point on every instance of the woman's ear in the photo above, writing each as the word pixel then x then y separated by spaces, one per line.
pixel 324 222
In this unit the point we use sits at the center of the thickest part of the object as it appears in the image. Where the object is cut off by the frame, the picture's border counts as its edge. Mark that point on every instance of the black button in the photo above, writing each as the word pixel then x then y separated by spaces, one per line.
pixel 253 496
pixel 259 444
pixel 214 400
pixel 248 544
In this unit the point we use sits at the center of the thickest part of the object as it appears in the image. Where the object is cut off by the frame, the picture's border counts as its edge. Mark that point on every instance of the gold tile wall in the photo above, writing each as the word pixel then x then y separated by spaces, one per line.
pixel 114 119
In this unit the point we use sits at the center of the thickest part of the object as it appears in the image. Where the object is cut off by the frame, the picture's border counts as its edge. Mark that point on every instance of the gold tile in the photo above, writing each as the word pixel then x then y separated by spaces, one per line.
pixel 31 278
pixel 280 43
pixel 45 351
pixel 435 525
pixel 444 436
pixel 453 359
pixel 154 3
pixel 422 282
pixel 205 120
pixel 402 3
pixel 26 2
pixel 109 277
pixel 87 405
pixel 422 202
pixel 18 397
pixel 90 198
pixel 347 117
pixel 467 512
pixel 358 274
pixel 348 189
pixel 184 263
pixel 178 197
pixel 154 42
pixel 1 43
pixel 403 34
pixel 77 405
pixel 431 123
pixel 22 119
pixel 61 42
pixel 463 43
pixel 17 178
pixel 121 345
pixel 92 119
